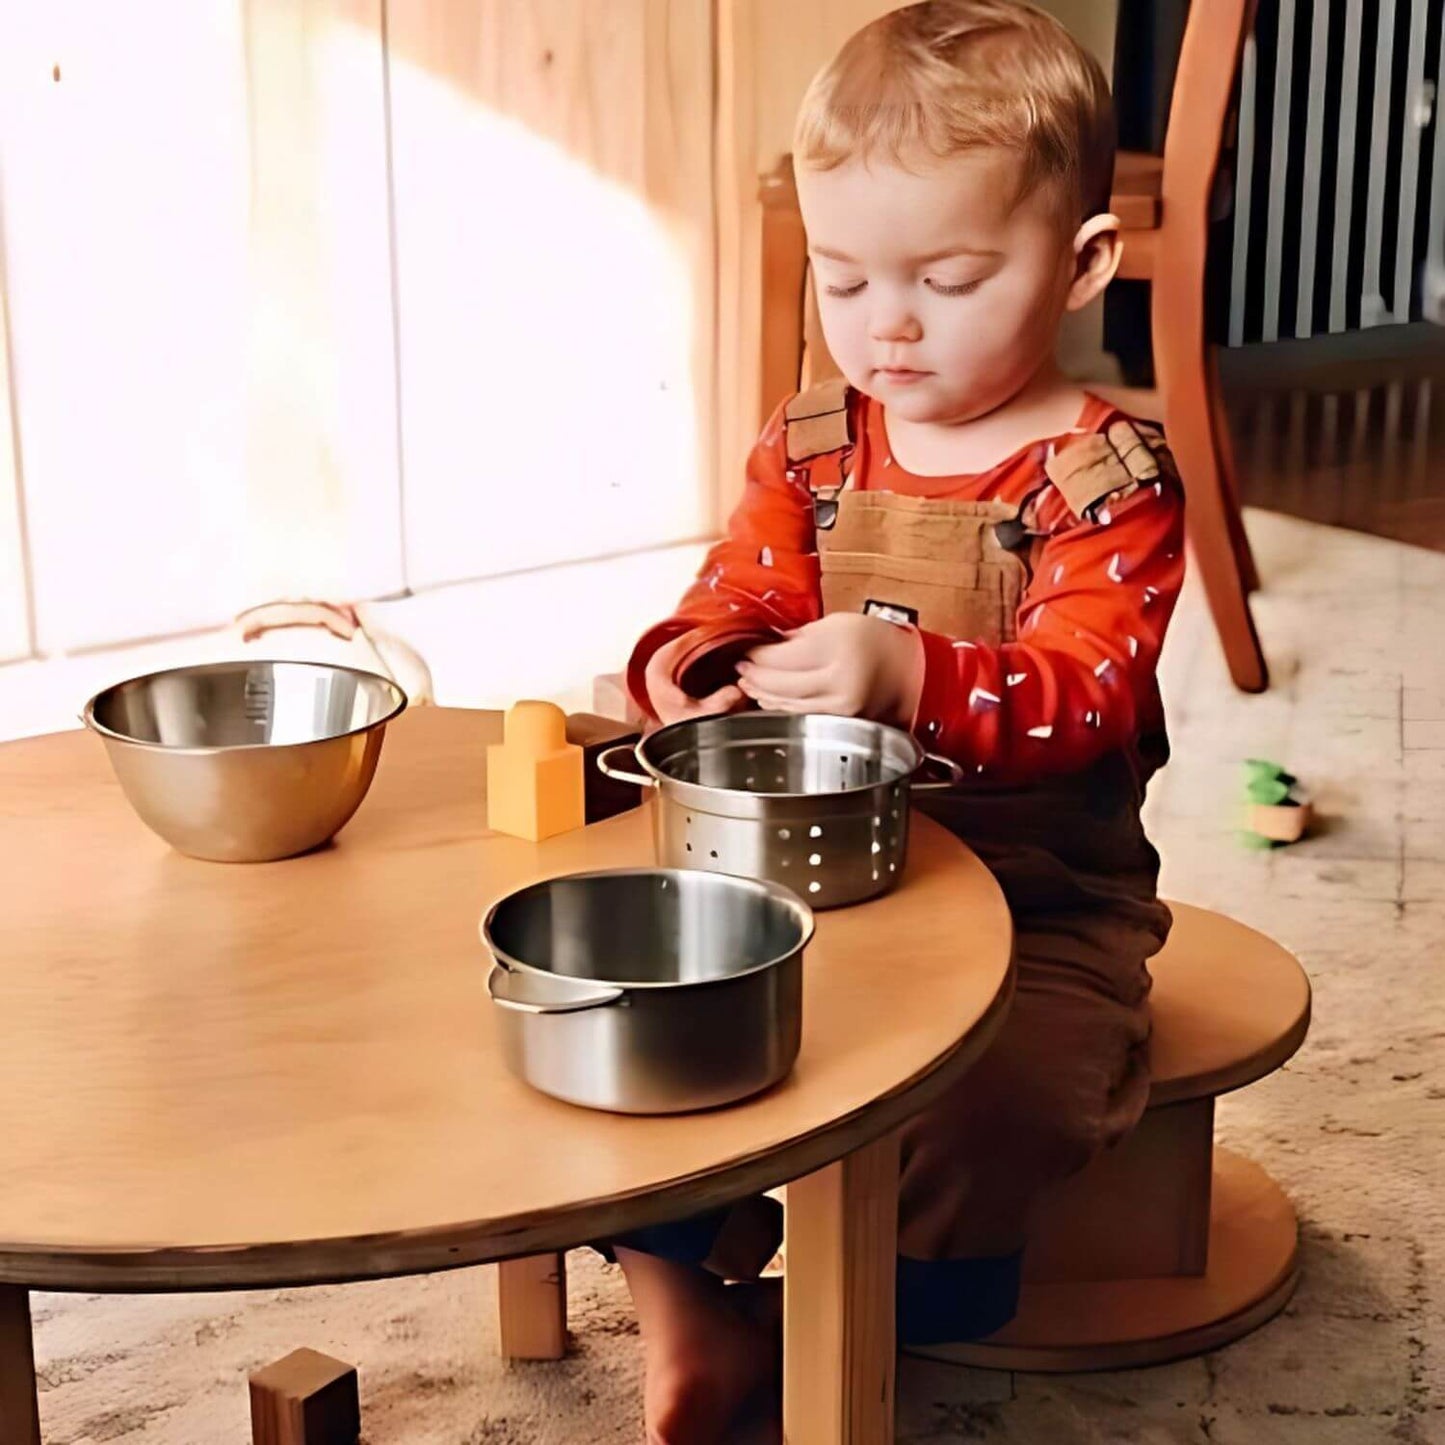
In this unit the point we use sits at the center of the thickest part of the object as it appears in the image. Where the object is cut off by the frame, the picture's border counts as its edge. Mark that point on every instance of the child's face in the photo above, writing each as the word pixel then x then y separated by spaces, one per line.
pixel 939 293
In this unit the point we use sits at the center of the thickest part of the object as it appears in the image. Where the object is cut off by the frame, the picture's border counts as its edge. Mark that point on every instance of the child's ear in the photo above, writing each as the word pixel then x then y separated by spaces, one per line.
pixel 1097 251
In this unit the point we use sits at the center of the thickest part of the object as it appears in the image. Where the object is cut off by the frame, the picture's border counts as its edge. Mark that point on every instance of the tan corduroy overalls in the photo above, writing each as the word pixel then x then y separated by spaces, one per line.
pixel 1068 1075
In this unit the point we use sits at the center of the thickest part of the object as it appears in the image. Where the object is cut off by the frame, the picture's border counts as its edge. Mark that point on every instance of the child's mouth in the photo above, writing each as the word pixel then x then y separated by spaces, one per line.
pixel 901 375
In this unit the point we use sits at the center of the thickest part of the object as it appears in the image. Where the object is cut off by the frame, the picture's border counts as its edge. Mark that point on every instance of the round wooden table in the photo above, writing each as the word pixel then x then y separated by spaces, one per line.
pixel 217 1076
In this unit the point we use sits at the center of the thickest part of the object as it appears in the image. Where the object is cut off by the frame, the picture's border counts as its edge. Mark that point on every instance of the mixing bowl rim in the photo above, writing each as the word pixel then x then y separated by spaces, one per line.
pixel 400 702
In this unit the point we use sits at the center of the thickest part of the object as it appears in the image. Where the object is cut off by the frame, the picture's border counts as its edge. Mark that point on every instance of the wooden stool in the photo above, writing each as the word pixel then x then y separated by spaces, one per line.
pixel 1166 1246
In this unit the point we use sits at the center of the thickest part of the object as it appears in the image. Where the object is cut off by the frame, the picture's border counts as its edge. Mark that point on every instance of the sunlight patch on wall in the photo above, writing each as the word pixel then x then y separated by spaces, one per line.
pixel 546 321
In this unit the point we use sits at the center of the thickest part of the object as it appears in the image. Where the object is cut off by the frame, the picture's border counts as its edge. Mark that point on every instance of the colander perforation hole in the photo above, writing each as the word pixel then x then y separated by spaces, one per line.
pixel 815 831
pixel 815 859
pixel 815 887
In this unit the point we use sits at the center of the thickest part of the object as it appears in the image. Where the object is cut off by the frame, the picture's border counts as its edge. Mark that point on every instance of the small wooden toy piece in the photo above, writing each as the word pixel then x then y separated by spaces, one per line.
pixel 307 1398
pixel 604 797
pixel 534 775
pixel 1278 814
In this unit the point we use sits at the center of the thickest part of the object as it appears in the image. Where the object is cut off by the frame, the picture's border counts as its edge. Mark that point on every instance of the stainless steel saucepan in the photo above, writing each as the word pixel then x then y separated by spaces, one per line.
pixel 649 990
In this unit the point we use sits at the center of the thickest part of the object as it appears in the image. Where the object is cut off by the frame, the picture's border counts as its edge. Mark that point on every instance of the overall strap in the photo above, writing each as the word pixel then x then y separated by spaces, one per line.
pixel 1105 466
pixel 819 441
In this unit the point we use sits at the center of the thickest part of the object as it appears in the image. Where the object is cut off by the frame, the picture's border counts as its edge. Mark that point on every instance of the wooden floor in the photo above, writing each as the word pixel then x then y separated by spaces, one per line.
pixel 1345 431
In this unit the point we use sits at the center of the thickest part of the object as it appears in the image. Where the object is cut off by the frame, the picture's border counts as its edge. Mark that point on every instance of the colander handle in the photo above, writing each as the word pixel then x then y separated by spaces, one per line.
pixel 621 775
pixel 955 776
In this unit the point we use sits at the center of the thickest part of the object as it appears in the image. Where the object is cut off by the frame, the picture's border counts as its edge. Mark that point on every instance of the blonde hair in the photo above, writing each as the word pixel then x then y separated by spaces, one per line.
pixel 945 76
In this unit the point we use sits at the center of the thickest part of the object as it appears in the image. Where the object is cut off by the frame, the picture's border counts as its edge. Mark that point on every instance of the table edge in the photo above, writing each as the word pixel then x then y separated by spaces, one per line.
pixel 347 1259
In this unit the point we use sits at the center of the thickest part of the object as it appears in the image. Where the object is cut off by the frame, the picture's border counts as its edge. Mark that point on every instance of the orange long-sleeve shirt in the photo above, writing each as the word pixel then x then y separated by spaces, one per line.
pixel 1080 680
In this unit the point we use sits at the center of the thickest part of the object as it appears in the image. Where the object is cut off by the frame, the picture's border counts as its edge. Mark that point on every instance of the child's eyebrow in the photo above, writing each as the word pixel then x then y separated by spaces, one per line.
pixel 947 253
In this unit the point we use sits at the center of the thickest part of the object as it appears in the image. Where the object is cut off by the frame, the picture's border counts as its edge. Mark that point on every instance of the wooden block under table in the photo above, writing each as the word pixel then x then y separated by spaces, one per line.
pixel 307 1398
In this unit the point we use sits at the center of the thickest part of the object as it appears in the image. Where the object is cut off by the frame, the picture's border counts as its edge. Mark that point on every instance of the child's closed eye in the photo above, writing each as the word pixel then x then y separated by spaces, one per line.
pixel 852 290
pixel 961 288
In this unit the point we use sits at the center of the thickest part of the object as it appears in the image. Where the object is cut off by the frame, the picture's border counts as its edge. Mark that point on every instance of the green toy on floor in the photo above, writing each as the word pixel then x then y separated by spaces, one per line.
pixel 1278 814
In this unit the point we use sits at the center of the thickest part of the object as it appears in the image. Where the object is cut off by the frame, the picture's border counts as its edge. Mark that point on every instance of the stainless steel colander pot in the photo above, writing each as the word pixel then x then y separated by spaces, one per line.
pixel 815 802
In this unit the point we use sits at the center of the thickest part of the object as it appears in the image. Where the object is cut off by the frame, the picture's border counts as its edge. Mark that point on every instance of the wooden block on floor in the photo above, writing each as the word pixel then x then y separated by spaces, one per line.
pixel 307 1398
pixel 532 1307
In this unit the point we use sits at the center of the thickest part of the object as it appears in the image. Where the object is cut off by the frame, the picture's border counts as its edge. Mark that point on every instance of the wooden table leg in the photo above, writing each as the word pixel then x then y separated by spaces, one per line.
pixel 532 1307
pixel 839 1346
pixel 19 1412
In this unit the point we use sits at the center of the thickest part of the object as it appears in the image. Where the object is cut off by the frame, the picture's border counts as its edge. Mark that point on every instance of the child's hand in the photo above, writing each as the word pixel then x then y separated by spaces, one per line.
pixel 844 663
pixel 669 701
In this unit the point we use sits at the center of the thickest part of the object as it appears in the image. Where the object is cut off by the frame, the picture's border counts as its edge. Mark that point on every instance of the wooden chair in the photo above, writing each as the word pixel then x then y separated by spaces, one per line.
pixel 1163 202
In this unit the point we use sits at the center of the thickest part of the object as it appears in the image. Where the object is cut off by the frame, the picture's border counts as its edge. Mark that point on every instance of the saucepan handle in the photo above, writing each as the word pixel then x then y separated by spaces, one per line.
pixel 522 993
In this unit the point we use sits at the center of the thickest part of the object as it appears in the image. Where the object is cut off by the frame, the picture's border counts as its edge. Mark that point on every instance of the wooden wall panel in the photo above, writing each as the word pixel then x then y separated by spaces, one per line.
pixel 15 637
pixel 124 211
pixel 767 54
pixel 554 219
pixel 198 278
pixel 323 483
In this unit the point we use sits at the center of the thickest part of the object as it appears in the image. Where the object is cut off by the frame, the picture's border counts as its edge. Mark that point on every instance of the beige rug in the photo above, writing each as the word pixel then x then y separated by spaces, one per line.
pixel 1355 1127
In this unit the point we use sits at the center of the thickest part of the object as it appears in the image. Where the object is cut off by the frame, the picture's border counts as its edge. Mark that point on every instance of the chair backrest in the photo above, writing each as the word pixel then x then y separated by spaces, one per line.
pixel 794 354
pixel 1200 107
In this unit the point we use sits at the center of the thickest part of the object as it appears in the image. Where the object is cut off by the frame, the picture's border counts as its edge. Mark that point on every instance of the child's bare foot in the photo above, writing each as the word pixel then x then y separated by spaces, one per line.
pixel 712 1351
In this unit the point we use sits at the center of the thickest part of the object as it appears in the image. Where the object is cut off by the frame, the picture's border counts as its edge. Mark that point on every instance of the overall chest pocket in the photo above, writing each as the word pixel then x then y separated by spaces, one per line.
pixel 974 600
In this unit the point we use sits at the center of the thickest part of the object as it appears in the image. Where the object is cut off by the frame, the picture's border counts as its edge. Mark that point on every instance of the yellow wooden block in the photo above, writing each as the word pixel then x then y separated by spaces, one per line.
pixel 534 775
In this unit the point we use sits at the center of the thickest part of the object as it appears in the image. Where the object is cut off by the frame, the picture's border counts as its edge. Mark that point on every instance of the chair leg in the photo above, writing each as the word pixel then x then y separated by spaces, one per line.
pixel 1243 552
pixel 1201 449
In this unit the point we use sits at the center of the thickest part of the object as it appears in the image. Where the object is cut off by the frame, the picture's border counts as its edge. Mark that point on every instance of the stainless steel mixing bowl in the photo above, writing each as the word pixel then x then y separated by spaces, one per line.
pixel 649 990
pixel 241 762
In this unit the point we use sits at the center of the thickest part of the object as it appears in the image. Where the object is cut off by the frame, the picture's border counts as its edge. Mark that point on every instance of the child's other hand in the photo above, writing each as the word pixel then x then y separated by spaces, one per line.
pixel 669 701
pixel 844 663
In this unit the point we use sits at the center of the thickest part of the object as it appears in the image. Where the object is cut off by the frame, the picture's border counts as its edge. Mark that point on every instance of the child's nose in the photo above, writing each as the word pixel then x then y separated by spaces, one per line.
pixel 893 322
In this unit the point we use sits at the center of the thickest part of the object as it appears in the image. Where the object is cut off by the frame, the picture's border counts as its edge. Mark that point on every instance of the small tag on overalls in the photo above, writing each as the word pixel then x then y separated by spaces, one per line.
pixel 893 612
